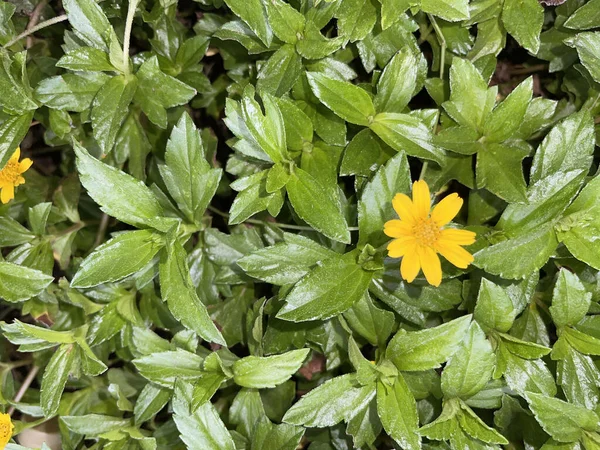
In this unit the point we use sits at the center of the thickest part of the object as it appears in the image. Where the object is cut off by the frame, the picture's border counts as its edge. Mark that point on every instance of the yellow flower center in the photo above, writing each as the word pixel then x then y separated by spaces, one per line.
pixel 10 173
pixel 6 428
pixel 427 232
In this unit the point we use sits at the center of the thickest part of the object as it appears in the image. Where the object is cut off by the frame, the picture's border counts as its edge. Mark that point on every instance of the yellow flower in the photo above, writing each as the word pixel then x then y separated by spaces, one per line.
pixel 10 176
pixel 6 429
pixel 420 236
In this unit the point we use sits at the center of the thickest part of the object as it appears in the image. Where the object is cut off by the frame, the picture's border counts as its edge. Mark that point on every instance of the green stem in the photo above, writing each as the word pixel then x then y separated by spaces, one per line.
pixel 283 226
pixel 423 170
pixel 37 28
pixel 442 42
pixel 127 37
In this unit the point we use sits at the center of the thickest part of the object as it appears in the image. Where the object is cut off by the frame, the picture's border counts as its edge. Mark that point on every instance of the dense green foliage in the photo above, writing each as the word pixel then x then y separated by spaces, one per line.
pixel 197 258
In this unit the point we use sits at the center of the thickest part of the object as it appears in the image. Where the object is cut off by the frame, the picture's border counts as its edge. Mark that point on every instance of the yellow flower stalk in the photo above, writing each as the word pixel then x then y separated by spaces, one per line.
pixel 420 235
pixel 6 429
pixel 11 176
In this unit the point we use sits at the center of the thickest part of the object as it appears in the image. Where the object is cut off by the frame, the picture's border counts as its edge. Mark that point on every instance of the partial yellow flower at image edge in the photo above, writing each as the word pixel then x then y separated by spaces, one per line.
pixel 11 176
pixel 6 429
pixel 419 235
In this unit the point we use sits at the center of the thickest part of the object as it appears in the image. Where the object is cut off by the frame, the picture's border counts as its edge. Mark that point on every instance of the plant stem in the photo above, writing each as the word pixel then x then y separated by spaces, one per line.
pixel 283 226
pixel 38 27
pixel 26 383
pixel 423 170
pixel 127 37
pixel 35 17
pixel 101 231
pixel 442 42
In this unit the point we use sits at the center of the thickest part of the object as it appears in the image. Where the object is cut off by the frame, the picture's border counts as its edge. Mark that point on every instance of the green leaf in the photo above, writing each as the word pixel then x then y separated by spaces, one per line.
pixel 371 322
pixel 19 283
pixel 252 12
pixel 285 262
pixel 12 131
pixel 356 19
pixel 298 126
pixel 125 254
pixel 397 83
pixel 158 91
pixel 268 372
pixel 315 206
pixel 110 109
pixel 563 421
pixel 89 22
pixel 587 48
pixel 523 19
pixel 428 348
pixel 151 400
pixel 407 133
pixel 338 399
pixel 267 130
pixel 55 378
pixel 518 257
pixel 452 10
pixel 523 349
pixel 187 174
pixel 584 343
pixel 119 195
pixel 507 117
pixel 16 93
pixel 348 101
pixel 579 378
pixel 280 72
pixel 397 410
pixel 180 294
pixel 94 425
pixel 471 367
pixel 71 92
pixel 365 426
pixel 202 428
pixel 472 424
pixel 528 375
pixel 375 206
pixel 570 301
pixel 494 309
pixel 327 290
pixel 86 59
pixel 12 233
pixel 470 99
pixel 276 437
pixel 586 17
pixel 314 45
pixel 286 22
pixel 499 169
pixel 164 368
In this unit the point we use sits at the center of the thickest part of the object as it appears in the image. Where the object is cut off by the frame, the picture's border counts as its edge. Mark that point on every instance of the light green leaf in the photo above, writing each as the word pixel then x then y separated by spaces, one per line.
pixel 20 283
pixel 86 59
pixel 586 17
pixel 494 309
pixel 55 377
pixel 570 301
pixel 71 92
pixel 180 294
pixel 587 44
pixel 267 372
pixel 163 368
pixel 267 130
pixel 110 109
pixel 523 19
pixel 500 170
pixel 252 12
pixel 327 290
pixel 470 368
pixel 397 83
pixel 356 19
pixel 397 410
pixel 427 348
pixel 315 206
pixel 563 421
pixel 452 10
pixel 93 425
pixel 280 72
pixel 348 101
pixel 335 400
pixel 507 117
pixel 89 22
pixel 286 22
pixel 12 131
pixel 407 133
pixel 125 254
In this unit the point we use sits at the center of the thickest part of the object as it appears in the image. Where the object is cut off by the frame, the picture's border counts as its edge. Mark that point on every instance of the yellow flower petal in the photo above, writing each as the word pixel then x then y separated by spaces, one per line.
pixel 410 266
pixel 25 165
pixel 454 254
pixel 6 429
pixel 399 247
pixel 421 199
pixel 8 193
pixel 397 228
pixel 459 237
pixel 16 155
pixel 447 209
pixel 430 263
pixel 404 207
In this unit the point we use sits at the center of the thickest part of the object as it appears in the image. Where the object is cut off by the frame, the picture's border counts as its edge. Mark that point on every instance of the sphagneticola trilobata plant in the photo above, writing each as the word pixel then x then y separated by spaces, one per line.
pixel 300 225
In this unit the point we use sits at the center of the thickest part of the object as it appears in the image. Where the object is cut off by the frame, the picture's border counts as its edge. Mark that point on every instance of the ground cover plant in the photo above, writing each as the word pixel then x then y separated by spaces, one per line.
pixel 304 224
